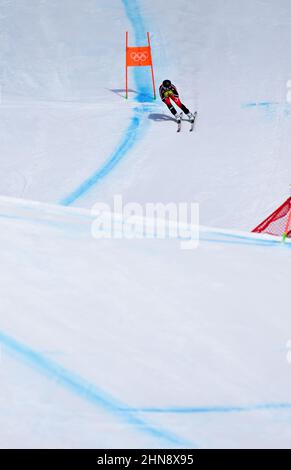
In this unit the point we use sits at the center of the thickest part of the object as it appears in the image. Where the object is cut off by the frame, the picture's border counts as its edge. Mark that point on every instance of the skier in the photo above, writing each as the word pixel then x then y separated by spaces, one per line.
pixel 169 92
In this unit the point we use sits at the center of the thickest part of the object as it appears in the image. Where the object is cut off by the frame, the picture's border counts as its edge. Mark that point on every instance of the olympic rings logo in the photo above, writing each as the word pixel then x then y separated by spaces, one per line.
pixel 139 56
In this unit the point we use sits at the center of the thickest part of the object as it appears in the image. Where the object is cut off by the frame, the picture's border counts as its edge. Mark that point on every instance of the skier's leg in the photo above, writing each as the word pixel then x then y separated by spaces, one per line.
pixel 181 105
pixel 168 103
pixel 190 116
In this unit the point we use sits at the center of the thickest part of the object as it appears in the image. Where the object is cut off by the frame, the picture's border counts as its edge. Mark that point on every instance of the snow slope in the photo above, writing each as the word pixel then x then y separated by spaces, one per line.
pixel 119 343
pixel 114 343
pixel 230 61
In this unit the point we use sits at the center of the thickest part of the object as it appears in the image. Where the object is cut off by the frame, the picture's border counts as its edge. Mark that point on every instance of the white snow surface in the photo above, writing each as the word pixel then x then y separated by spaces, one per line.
pixel 137 343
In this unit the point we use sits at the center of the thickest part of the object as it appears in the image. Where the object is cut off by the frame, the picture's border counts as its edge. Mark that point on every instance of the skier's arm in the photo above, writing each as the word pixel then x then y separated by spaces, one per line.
pixel 175 91
pixel 162 94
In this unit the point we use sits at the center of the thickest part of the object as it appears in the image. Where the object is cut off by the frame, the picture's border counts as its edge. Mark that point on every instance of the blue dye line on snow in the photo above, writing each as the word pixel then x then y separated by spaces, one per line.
pixel 250 241
pixel 84 389
pixel 214 409
pixel 90 393
pixel 209 237
pixel 130 137
pixel 142 75
pixel 133 14
pixel 137 124
pixel 236 238
pixel 271 108
pixel 260 104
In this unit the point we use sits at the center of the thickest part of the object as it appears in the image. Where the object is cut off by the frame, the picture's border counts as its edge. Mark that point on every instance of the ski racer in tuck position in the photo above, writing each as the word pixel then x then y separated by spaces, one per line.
pixel 169 92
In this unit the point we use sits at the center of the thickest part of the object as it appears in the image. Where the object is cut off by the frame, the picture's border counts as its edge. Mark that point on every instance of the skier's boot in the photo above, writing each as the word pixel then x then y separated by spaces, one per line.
pixel 178 117
pixel 191 117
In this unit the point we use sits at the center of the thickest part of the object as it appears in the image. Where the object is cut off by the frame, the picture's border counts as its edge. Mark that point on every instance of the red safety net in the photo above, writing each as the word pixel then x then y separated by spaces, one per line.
pixel 278 223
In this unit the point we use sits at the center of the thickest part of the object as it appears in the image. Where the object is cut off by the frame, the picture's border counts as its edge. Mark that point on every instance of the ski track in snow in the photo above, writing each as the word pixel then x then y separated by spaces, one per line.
pixel 138 123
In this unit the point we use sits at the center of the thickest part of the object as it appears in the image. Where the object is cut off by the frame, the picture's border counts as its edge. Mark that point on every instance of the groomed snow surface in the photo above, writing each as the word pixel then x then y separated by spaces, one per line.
pixel 117 343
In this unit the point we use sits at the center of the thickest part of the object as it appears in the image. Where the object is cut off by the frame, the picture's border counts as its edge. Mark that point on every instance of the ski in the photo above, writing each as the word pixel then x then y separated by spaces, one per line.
pixel 192 121
pixel 179 122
